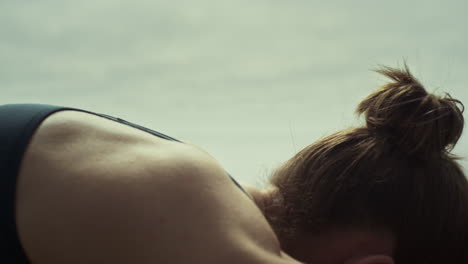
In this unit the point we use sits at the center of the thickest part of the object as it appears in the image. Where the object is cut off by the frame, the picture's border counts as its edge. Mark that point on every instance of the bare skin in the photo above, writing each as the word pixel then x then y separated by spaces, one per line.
pixel 91 190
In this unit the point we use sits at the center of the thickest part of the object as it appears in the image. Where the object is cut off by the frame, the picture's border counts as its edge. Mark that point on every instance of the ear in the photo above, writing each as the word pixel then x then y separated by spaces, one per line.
pixel 372 259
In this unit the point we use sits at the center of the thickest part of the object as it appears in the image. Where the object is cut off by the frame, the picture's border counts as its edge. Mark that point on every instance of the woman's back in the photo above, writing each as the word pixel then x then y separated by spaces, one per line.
pixel 92 190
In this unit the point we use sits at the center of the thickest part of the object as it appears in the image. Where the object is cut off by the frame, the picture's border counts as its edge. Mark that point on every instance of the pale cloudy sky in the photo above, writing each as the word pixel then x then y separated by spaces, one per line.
pixel 250 81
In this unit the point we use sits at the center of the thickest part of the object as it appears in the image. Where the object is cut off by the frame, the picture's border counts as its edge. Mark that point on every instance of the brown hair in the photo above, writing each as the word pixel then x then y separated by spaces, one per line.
pixel 395 173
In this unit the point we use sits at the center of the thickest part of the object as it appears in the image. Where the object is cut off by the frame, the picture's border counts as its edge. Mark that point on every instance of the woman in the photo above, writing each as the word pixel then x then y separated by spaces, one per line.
pixel 82 187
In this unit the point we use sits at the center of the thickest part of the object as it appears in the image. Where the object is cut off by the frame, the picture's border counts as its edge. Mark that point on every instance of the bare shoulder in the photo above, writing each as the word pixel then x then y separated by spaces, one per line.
pixel 171 206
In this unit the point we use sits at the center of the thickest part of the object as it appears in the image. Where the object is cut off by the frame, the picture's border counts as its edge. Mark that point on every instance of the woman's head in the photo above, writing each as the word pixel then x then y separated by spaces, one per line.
pixel 395 176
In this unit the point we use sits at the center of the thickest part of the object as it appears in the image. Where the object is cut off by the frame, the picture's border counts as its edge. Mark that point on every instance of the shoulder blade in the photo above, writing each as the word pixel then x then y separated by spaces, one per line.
pixel 179 207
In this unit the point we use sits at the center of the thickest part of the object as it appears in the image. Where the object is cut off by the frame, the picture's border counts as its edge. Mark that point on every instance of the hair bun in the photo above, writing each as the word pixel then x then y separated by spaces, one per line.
pixel 419 122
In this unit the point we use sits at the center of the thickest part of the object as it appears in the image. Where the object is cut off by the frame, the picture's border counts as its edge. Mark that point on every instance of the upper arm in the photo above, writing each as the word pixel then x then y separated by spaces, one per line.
pixel 168 209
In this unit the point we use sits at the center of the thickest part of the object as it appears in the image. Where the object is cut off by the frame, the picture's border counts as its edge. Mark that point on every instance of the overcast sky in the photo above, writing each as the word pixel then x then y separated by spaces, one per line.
pixel 251 81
